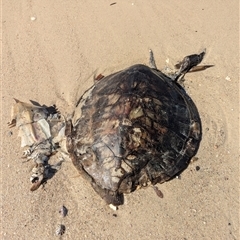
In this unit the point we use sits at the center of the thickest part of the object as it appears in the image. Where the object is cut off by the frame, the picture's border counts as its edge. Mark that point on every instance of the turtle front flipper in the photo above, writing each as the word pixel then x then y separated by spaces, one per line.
pixel 188 63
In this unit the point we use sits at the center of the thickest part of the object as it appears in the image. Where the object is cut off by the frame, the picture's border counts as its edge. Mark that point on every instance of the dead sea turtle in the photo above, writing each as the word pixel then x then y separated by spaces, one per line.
pixel 134 128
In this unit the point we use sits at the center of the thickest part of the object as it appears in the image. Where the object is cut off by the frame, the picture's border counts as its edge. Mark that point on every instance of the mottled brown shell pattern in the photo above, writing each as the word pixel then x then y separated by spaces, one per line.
pixel 131 129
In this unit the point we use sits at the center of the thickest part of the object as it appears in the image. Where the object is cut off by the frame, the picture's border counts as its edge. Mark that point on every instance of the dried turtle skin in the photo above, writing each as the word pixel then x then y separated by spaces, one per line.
pixel 134 128
pixel 41 129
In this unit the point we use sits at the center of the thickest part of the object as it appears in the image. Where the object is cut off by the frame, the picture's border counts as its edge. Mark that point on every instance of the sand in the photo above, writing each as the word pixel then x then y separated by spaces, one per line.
pixel 52 50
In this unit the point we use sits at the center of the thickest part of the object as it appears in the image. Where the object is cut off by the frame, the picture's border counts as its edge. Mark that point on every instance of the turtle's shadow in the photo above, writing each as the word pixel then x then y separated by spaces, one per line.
pixel 52 170
pixel 51 110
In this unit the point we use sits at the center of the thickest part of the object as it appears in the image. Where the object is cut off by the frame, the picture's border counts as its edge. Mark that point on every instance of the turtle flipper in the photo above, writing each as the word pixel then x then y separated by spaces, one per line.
pixel 152 63
pixel 188 63
pixel 200 68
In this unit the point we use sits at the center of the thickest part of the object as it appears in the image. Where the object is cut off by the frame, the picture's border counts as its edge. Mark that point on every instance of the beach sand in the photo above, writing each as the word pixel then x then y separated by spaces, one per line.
pixel 50 53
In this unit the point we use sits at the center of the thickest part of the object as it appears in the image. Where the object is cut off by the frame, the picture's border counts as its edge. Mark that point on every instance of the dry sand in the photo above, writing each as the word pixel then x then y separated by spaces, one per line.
pixel 52 49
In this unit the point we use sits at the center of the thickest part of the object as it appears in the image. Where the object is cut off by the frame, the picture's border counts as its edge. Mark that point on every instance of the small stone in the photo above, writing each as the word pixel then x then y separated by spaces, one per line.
pixel 197 168
pixel 33 18
pixel 60 230
pixel 228 78
pixel 10 133
pixel 114 208
pixel 63 211
pixel 158 192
